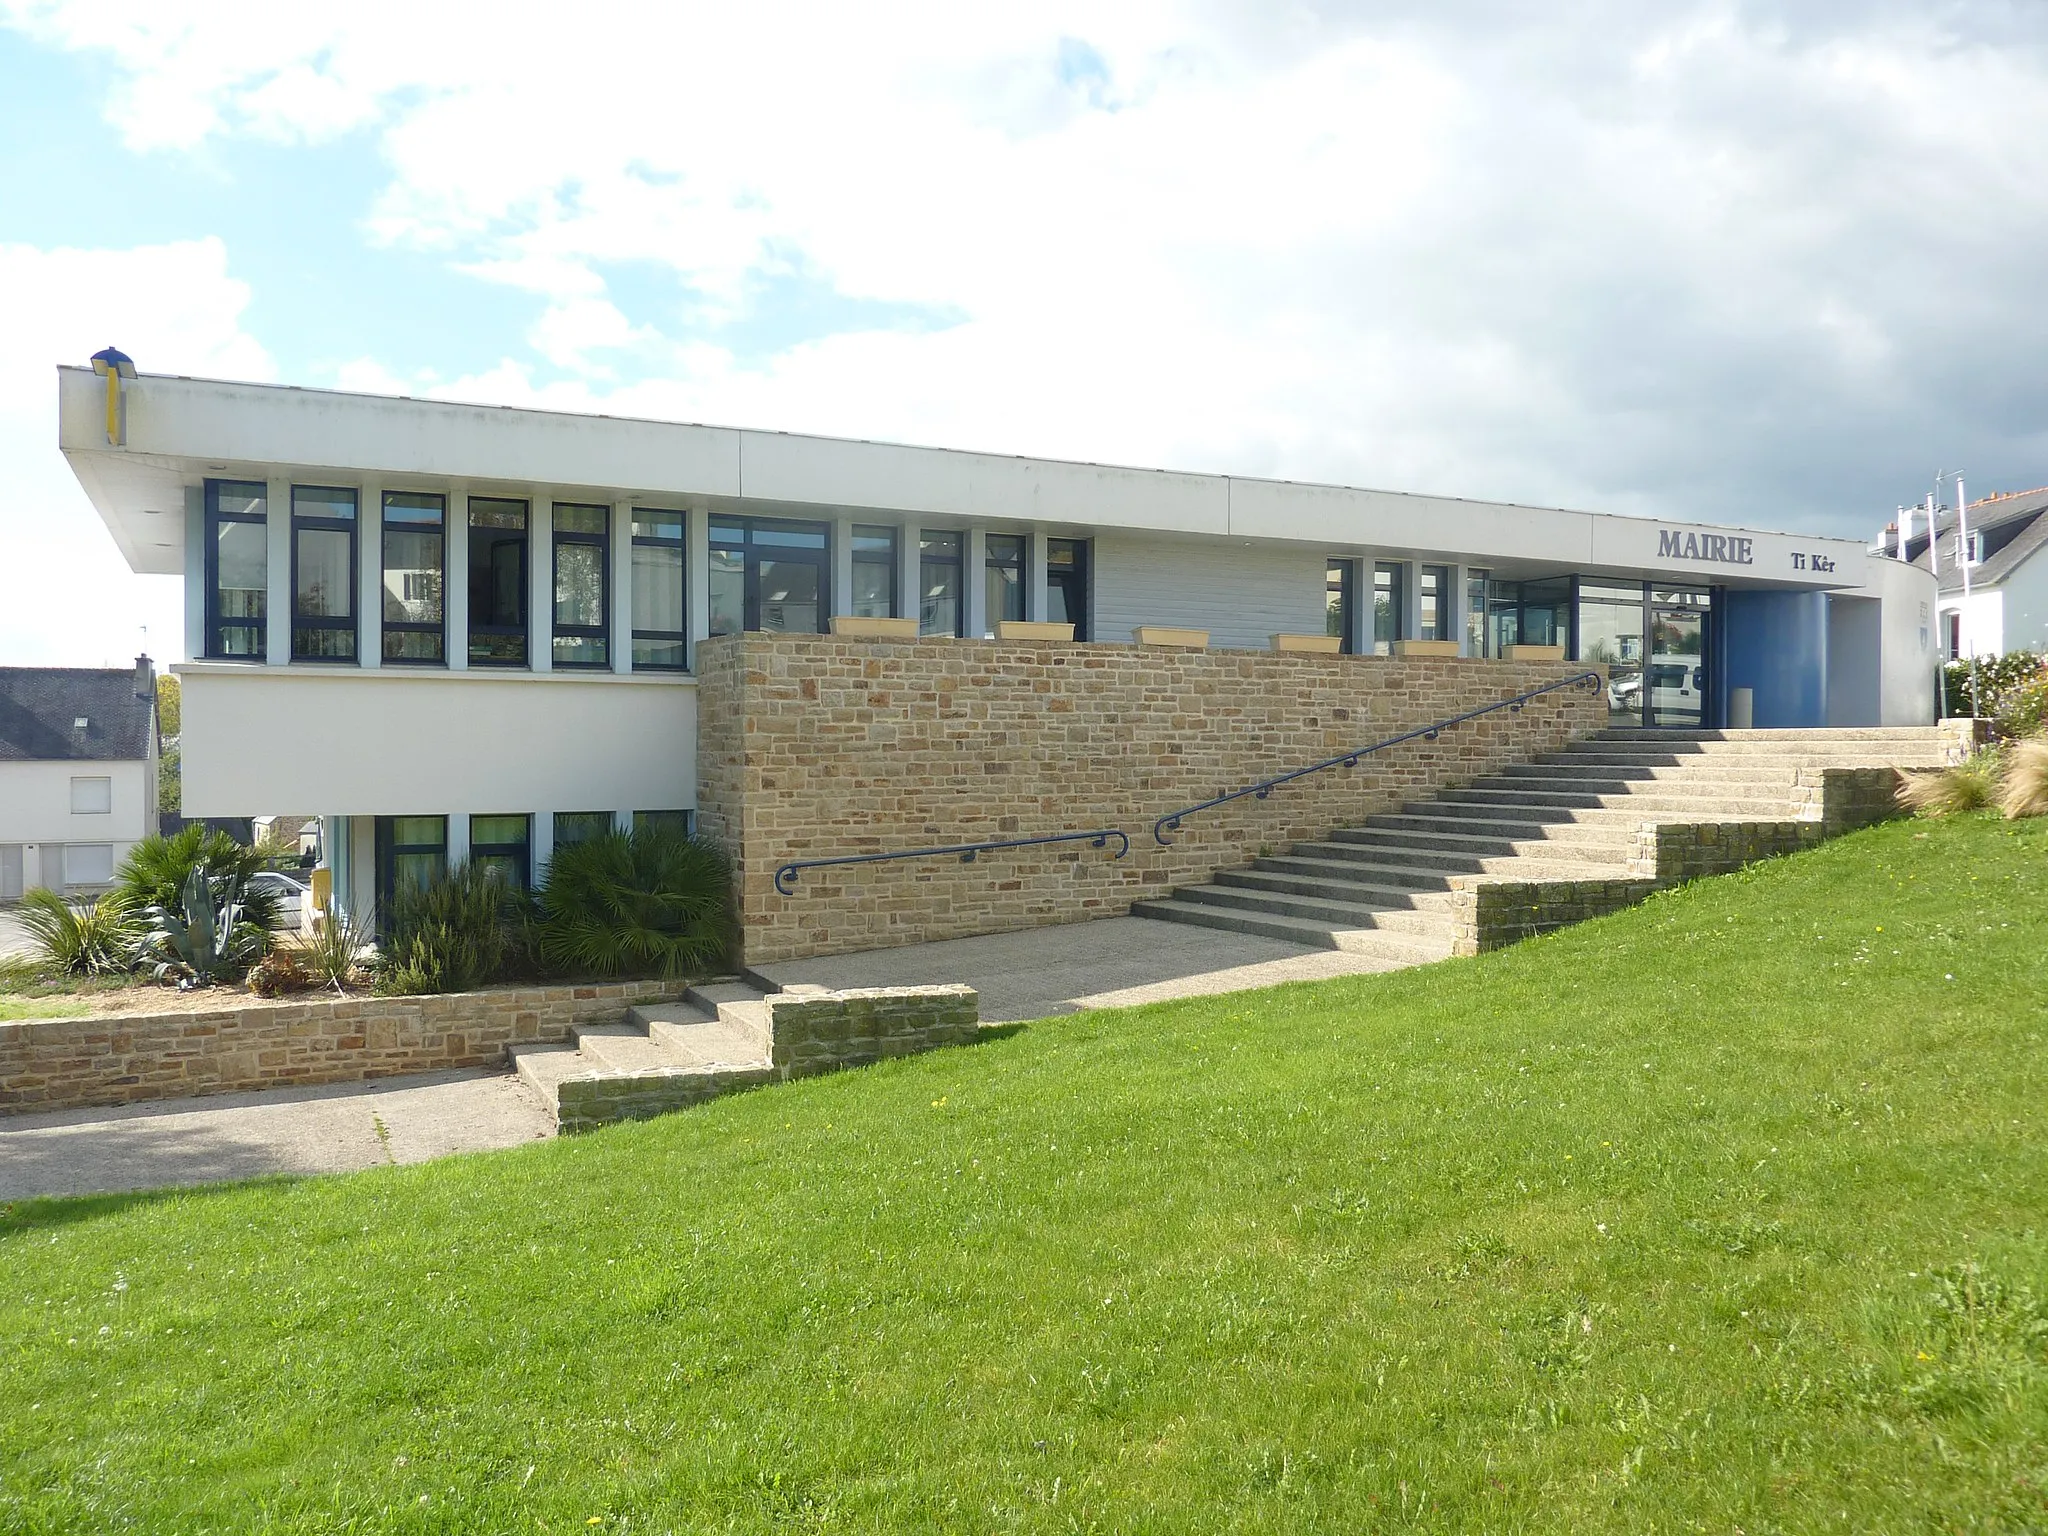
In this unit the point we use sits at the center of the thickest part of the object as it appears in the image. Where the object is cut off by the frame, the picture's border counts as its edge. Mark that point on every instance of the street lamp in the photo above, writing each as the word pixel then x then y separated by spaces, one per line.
pixel 114 365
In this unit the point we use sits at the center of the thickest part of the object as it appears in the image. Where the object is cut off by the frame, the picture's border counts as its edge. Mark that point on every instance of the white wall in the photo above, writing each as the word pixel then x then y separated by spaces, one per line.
pixel 1983 631
pixel 1855 660
pixel 35 811
pixel 2025 619
pixel 394 742
pixel 1242 593
pixel 1908 639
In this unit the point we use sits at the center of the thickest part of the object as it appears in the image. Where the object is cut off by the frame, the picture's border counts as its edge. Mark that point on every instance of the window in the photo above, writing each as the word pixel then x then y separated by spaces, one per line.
pixel 1437 623
pixel 939 606
pixel 582 543
pixel 573 827
pixel 678 822
pixel 767 575
pixel 1005 580
pixel 323 573
pixel 412 852
pixel 88 863
pixel 1388 602
pixel 659 639
pixel 874 573
pixel 497 582
pixel 502 844
pixel 1066 584
pixel 237 569
pixel 1975 549
pixel 415 581
pixel 92 797
pixel 1338 578
pixel 1475 613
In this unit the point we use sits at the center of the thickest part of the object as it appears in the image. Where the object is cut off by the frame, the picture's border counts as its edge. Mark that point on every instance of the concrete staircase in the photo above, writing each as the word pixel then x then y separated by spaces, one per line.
pixel 1383 889
pixel 716 1039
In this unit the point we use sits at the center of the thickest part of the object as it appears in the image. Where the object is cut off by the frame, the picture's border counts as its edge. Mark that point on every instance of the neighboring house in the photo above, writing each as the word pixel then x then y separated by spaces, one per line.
pixel 467 632
pixel 77 774
pixel 2007 606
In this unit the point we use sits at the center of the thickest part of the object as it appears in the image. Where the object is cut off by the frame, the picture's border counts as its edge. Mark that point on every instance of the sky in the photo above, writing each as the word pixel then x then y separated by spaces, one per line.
pixel 1772 264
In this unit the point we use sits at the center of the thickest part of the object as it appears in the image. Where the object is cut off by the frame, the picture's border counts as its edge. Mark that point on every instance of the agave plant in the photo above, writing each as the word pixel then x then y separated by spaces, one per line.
pixel 157 869
pixel 209 936
pixel 84 938
pixel 649 901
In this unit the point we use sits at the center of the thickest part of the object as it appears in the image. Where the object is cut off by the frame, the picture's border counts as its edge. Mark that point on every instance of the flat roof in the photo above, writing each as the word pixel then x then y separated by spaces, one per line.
pixel 181 430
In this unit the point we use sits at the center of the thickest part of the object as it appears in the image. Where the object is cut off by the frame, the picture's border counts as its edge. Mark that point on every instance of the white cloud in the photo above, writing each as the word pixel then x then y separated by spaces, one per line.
pixel 66 595
pixel 1642 258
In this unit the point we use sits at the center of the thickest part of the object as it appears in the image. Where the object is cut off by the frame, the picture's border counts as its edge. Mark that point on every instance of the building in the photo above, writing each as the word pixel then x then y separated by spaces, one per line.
pixel 470 632
pixel 2006 608
pixel 77 774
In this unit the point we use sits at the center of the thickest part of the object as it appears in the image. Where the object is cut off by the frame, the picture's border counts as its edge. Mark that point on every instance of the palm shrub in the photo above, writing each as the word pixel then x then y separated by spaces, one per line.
pixel 451 934
pixel 2025 790
pixel 82 938
pixel 209 936
pixel 646 901
pixel 158 868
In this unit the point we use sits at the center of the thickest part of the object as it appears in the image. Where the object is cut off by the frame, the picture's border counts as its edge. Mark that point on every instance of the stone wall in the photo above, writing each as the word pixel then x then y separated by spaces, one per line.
pixel 1843 799
pixel 815 747
pixel 810 1032
pixel 1492 914
pixel 125 1059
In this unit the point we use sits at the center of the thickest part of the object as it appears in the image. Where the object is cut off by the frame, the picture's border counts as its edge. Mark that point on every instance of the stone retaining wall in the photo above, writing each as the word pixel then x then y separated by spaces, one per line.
pixel 810 1033
pixel 812 747
pixel 125 1059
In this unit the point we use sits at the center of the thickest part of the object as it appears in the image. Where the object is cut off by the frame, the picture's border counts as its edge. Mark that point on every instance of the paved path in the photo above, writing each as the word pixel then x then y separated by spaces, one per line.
pixel 334 1129
pixel 1112 962
pixel 13 937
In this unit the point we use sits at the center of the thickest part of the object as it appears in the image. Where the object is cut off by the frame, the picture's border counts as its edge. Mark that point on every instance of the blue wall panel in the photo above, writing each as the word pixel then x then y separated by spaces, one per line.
pixel 1778 648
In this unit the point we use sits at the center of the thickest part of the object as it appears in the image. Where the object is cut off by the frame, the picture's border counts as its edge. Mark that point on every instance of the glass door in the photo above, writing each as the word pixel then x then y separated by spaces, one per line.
pixel 1677 669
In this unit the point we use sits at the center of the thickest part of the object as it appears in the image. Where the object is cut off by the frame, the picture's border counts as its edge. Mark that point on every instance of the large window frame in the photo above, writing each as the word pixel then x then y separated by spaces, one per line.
pixel 573 827
pixel 237 636
pixel 587 538
pixel 661 560
pixel 1436 598
pixel 941 565
pixel 408 641
pixel 1340 600
pixel 492 642
pixel 324 636
pixel 491 847
pixel 1389 605
pixel 1003 590
pixel 390 850
pixel 742 546
pixel 1068 567
pixel 874 572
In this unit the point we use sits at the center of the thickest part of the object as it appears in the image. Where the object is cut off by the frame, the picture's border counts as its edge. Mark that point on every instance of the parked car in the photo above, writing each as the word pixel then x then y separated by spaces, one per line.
pixel 292 897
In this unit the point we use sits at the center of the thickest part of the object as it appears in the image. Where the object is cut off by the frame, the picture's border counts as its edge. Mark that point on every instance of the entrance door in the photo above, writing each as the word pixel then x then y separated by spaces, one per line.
pixel 1675 676
pixel 10 871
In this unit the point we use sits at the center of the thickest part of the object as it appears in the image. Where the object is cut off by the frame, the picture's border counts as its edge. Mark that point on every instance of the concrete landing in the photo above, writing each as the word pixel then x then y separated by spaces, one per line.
pixel 1115 962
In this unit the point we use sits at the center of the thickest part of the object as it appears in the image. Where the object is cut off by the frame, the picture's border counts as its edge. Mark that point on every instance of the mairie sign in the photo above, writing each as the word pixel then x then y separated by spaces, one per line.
pixel 1715 548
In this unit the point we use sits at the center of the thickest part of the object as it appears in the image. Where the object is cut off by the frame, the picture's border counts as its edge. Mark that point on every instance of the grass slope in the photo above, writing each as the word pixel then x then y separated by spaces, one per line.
pixel 1723 1214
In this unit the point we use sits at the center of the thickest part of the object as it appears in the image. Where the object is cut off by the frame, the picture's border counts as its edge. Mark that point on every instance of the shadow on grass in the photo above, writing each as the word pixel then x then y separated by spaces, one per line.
pixel 49 1212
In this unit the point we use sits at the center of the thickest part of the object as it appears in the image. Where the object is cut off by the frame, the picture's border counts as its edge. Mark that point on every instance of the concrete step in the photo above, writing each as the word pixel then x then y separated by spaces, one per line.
pixel 1513 863
pixel 1395 949
pixel 738 1004
pixel 623 1048
pixel 1641 771
pixel 1701 807
pixel 1333 882
pixel 1559 834
pixel 541 1067
pixel 1347 914
pixel 1609 847
pixel 1832 733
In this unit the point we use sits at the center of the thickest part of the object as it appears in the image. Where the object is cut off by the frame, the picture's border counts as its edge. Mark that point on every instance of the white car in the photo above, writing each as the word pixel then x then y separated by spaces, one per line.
pixel 292 896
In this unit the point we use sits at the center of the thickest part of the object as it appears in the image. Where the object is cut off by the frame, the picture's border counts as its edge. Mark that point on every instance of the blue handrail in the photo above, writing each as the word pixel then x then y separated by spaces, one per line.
pixel 785 875
pixel 1265 787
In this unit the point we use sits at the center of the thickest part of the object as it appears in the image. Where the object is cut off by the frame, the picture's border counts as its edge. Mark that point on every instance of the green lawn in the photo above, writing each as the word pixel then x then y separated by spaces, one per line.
pixel 1728 1213
pixel 40 1008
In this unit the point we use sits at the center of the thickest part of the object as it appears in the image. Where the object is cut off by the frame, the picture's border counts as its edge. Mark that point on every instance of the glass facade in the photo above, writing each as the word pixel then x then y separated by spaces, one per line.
pixel 939 609
pixel 323 573
pixel 1339 577
pixel 237 569
pixel 497 582
pixel 660 641
pixel 1437 596
pixel 874 573
pixel 504 846
pixel 1005 580
pixel 412 852
pixel 573 827
pixel 582 585
pixel 1389 579
pixel 414 593
pixel 675 822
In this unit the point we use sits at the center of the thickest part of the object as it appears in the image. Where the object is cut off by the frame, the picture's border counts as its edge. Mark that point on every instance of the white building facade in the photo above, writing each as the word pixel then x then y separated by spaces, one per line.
pixel 77 774
pixel 466 632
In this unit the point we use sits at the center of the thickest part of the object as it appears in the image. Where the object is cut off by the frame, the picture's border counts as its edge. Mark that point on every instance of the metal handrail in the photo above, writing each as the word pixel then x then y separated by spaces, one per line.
pixel 785 875
pixel 1265 787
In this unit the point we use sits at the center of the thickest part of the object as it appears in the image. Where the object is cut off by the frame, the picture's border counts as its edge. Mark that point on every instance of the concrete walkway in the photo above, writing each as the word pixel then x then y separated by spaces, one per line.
pixel 1110 963
pixel 333 1129
pixel 14 942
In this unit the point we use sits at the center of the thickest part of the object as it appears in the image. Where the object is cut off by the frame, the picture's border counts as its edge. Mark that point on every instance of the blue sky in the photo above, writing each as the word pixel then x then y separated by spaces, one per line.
pixel 1763 263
